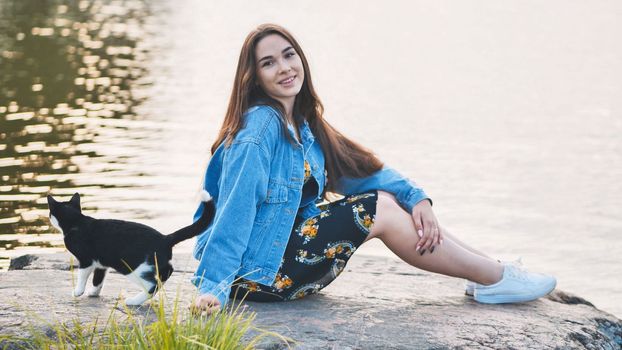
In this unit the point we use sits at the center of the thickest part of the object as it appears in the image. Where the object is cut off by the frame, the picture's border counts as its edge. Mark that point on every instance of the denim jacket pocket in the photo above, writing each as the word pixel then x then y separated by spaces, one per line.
pixel 277 194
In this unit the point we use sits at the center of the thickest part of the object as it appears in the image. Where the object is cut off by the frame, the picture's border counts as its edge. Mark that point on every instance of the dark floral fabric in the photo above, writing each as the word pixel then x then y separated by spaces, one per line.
pixel 318 250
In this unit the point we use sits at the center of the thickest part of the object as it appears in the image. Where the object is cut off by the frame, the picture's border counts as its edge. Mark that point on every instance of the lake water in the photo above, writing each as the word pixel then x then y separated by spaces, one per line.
pixel 508 114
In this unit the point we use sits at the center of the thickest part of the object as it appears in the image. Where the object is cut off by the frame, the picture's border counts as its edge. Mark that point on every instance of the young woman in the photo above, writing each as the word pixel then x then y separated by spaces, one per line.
pixel 276 158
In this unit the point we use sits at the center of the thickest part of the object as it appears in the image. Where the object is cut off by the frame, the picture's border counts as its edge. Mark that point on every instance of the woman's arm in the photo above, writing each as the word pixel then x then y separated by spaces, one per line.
pixel 242 186
pixel 407 192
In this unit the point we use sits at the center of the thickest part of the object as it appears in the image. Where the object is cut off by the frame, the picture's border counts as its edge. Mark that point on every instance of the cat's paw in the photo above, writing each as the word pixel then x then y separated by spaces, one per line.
pixel 77 292
pixel 93 293
pixel 137 300
pixel 133 302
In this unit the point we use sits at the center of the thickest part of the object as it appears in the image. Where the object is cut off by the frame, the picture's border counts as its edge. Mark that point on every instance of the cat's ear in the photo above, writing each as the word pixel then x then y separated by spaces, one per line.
pixel 75 201
pixel 51 201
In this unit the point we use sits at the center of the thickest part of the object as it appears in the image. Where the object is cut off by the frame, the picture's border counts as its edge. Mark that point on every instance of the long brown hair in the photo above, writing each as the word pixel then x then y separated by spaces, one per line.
pixel 343 157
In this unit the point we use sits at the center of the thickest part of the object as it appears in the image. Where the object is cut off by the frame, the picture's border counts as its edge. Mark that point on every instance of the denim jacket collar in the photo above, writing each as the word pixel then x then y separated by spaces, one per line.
pixel 306 135
pixel 305 130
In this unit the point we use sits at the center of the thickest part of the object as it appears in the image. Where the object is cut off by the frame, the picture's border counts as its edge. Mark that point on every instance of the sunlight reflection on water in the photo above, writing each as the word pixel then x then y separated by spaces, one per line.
pixel 73 75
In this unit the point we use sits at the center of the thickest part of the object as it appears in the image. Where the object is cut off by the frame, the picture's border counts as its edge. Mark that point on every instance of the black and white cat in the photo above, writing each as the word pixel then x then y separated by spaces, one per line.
pixel 131 248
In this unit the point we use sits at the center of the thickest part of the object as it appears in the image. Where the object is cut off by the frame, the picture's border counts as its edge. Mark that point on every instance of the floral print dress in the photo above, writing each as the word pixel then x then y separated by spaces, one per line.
pixel 318 248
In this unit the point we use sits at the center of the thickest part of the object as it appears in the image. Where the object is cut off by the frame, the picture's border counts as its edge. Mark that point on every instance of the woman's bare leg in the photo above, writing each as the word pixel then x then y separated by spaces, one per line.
pixel 451 236
pixel 395 227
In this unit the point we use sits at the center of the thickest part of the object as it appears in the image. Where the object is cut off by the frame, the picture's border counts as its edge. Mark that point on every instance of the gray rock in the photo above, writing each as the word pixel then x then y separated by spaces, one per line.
pixel 21 262
pixel 375 303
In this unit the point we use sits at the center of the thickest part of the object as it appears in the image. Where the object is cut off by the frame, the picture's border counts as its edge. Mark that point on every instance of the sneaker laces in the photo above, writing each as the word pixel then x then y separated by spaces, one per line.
pixel 517 272
pixel 518 264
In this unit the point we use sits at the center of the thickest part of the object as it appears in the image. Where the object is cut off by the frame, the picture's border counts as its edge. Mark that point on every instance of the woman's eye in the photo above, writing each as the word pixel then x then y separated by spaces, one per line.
pixel 266 63
pixel 290 54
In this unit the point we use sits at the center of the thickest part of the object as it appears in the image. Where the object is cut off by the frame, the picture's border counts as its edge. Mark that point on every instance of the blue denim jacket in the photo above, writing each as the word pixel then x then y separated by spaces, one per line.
pixel 256 184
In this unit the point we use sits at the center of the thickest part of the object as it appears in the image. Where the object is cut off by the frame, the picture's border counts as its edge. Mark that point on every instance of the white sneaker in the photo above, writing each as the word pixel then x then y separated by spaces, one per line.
pixel 469 288
pixel 515 286
pixel 470 285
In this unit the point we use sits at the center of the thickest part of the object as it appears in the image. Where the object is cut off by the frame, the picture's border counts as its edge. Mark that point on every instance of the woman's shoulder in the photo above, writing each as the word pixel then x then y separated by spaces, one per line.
pixel 260 115
pixel 260 123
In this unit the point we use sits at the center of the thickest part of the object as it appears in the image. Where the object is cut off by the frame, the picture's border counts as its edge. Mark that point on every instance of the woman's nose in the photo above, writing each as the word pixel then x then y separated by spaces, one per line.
pixel 284 66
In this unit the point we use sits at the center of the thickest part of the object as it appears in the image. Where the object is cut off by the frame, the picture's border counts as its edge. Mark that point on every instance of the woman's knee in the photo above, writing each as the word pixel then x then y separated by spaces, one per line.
pixel 386 208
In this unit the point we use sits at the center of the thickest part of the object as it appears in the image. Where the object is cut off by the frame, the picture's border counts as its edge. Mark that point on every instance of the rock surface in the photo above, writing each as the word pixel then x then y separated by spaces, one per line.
pixel 377 303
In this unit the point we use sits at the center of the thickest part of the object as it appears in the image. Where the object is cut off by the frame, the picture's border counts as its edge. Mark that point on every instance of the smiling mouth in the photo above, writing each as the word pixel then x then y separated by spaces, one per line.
pixel 288 80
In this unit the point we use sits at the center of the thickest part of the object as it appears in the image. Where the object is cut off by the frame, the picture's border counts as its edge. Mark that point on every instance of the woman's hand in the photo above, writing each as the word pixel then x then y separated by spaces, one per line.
pixel 427 227
pixel 205 303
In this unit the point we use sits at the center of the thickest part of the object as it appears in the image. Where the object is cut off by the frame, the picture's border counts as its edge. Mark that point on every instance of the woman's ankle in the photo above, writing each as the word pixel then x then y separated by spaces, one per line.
pixel 492 276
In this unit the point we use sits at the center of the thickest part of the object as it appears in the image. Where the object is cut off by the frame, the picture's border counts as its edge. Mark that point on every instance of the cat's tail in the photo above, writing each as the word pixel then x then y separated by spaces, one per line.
pixel 209 210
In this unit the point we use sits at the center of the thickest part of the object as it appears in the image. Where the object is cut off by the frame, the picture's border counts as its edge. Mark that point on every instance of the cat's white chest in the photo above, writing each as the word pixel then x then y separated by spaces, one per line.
pixel 55 223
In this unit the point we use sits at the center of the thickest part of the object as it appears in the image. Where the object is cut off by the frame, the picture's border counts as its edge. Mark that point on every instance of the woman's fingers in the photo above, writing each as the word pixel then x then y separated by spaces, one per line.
pixel 418 228
pixel 427 232
pixel 208 311
pixel 429 235
pixel 427 229
pixel 205 304
pixel 440 233
pixel 200 309
pixel 424 242
pixel 434 240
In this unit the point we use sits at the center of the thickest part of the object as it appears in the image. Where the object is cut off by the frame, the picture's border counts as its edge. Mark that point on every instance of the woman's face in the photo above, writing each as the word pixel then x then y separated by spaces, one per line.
pixel 279 69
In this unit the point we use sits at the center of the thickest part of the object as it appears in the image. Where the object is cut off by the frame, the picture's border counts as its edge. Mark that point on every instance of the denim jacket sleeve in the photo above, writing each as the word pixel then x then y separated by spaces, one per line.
pixel 407 192
pixel 243 185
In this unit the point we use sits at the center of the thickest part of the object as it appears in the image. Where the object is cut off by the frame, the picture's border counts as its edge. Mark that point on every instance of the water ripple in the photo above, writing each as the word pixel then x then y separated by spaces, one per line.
pixel 71 78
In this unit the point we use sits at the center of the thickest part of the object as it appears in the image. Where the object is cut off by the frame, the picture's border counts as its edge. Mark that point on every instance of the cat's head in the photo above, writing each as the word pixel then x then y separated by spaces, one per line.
pixel 64 215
